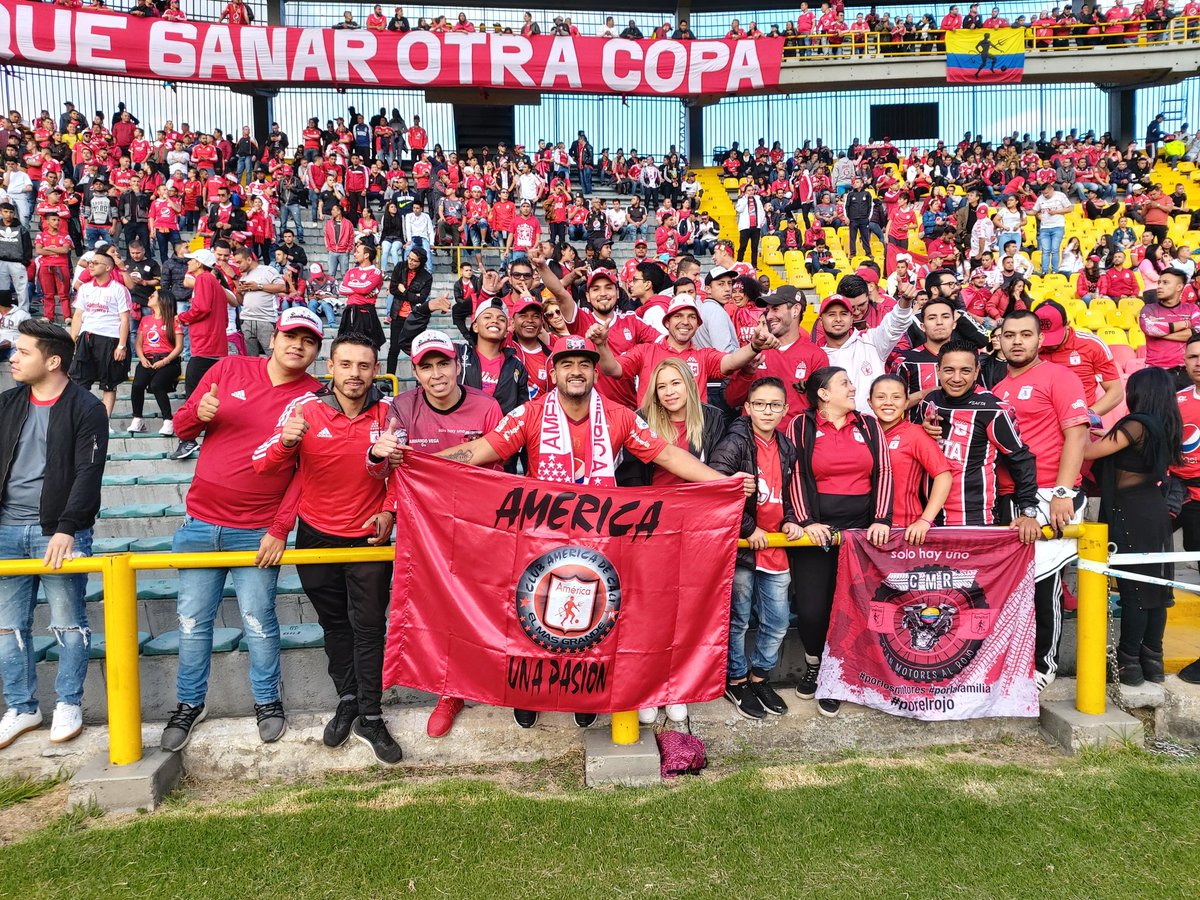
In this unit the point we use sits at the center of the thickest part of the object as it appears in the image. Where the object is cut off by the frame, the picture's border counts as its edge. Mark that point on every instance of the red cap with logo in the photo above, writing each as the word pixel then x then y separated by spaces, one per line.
pixel 573 345
pixel 1054 322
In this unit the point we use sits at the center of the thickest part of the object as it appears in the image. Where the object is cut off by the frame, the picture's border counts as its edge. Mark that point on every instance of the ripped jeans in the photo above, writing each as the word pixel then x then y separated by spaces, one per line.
pixel 200 592
pixel 68 620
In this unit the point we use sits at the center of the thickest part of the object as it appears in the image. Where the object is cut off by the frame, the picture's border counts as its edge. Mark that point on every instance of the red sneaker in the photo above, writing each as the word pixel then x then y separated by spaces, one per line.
pixel 1070 601
pixel 441 720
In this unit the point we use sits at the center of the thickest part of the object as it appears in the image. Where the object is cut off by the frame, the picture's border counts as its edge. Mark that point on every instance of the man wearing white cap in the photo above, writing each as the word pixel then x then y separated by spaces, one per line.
pixel 489 365
pixel 437 414
pixel 232 507
pixel 681 320
pixel 206 320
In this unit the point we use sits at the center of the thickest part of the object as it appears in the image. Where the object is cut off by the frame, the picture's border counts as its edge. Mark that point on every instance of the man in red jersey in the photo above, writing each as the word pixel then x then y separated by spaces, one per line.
pixel 1085 355
pixel 437 414
pixel 1052 415
pixel 681 320
pixel 790 362
pixel 572 436
pixel 231 507
pixel 322 437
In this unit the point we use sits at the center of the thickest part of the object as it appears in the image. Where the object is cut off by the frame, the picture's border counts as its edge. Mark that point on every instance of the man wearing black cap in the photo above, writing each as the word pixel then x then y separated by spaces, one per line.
pixel 598 428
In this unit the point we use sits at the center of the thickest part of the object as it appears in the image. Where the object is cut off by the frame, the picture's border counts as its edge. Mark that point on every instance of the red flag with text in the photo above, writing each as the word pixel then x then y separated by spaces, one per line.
pixel 543 596
pixel 940 631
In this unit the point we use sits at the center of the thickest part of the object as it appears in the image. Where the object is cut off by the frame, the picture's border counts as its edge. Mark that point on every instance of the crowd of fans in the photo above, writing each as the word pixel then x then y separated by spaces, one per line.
pixel 889 407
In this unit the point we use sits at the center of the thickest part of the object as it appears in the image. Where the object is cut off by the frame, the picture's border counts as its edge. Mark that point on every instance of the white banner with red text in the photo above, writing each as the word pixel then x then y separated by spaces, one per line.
pixel 109 43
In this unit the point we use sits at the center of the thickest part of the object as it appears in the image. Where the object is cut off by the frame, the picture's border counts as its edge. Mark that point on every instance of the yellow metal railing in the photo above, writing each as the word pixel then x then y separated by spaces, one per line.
pixel 119 573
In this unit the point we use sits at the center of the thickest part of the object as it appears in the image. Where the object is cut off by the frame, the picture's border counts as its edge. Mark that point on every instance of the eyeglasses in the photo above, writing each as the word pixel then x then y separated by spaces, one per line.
pixel 774 406
pixel 521 274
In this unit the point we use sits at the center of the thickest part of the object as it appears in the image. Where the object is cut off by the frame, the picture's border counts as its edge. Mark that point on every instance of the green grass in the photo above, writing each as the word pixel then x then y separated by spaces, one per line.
pixel 941 825
pixel 16 789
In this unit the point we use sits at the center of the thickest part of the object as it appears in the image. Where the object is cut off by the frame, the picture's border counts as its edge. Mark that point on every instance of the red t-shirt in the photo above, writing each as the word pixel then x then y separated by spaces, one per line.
pixel 791 364
pixel 914 455
pixel 1089 358
pixel 490 371
pixel 769 511
pixel 522 428
pixel 639 362
pixel 1189 409
pixel 661 476
pixel 154 337
pixel 841 459
pixel 625 331
pixel 1045 400
pixel 537 364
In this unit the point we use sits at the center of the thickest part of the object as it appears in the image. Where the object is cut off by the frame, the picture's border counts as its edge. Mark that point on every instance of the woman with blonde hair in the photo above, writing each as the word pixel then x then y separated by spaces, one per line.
pixel 552 315
pixel 673 409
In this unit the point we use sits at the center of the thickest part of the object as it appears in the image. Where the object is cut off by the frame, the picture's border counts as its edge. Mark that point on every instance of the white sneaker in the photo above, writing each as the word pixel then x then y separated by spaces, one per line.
pixel 168 428
pixel 677 712
pixel 67 723
pixel 14 724
pixel 137 426
pixel 648 716
pixel 1043 680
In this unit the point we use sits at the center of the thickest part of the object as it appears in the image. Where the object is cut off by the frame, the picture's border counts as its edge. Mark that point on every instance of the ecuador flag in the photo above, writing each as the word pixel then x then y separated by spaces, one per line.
pixel 985 56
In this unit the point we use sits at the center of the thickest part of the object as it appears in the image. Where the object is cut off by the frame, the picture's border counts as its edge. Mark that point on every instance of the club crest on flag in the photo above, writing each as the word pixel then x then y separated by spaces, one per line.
pixel 568 599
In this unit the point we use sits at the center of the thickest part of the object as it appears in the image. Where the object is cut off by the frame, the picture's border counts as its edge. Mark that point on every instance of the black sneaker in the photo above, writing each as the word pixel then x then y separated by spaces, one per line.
pixel 745 701
pixel 337 730
pixel 806 689
pixel 770 700
pixel 828 707
pixel 179 727
pixel 186 450
pixel 526 718
pixel 374 733
pixel 583 720
pixel 271 721
pixel 1190 673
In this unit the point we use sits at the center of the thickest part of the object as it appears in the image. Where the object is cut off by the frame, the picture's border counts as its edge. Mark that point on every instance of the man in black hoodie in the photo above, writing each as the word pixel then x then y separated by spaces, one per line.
pixel 53 445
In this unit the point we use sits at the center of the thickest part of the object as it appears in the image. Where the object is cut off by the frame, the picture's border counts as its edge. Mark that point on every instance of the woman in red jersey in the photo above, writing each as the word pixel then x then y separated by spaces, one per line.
pixel 914 455
pixel 842 479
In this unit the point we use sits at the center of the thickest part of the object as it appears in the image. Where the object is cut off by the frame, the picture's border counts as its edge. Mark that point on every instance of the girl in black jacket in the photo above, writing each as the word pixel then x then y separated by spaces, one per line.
pixel 842 479
pixel 761 580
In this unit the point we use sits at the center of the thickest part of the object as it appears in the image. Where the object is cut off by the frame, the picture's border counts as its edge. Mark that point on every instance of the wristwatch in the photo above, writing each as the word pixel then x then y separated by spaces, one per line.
pixel 1063 493
pixel 1028 512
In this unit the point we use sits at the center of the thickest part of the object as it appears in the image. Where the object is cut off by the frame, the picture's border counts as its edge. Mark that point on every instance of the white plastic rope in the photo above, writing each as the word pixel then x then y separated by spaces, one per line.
pixel 1138 559
pixel 1088 565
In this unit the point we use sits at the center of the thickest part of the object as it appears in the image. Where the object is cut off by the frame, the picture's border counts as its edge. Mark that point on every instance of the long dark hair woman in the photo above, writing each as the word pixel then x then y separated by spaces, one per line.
pixel 842 480
pixel 1132 461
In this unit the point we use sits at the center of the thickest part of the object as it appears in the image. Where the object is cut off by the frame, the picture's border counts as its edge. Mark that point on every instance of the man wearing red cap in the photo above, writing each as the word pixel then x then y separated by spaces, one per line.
pixel 1085 355
pixel 681 320
pixel 524 337
pixel 572 435
pixel 436 415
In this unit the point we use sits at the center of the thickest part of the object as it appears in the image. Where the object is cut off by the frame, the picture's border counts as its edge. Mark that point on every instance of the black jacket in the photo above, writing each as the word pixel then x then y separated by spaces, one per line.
pixel 738 453
pixel 632 472
pixel 513 388
pixel 76 450
pixel 858 205
pixel 173 271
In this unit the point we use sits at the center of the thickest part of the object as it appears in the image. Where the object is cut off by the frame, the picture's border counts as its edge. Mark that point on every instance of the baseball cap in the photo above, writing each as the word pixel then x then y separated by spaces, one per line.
pixel 833 300
pixel 573 345
pixel 784 294
pixel 432 341
pixel 639 243
pixel 903 257
pixel 206 258
pixel 493 303
pixel 867 274
pixel 718 272
pixel 301 317
pixel 679 303
pixel 523 303
pixel 1053 319
pixel 595 274
pixel 1093 258
pixel 315 269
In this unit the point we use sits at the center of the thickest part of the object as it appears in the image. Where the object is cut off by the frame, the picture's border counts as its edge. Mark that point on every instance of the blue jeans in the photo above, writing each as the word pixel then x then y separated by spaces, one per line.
pixel 245 164
pixel 337 265
pixel 768 593
pixel 324 309
pixel 1049 242
pixel 390 256
pixel 585 178
pixel 291 213
pixel 68 620
pixel 200 598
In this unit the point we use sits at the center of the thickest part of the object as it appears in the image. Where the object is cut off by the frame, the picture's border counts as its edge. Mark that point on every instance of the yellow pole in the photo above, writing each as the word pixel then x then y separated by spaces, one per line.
pixel 1092 623
pixel 124 689
pixel 625 727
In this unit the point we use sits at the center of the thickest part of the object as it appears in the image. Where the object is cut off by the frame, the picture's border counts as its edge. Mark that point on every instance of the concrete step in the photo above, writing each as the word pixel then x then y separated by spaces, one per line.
pixel 1181 643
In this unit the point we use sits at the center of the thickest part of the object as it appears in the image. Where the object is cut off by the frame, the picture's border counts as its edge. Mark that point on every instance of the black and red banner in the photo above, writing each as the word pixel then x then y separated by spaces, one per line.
pixel 940 631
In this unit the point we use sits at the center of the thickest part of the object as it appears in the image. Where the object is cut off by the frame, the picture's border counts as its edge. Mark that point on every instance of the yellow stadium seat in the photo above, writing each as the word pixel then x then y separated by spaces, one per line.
pixel 1054 280
pixel 1137 338
pixel 805 281
pixel 1102 304
pixel 1091 319
pixel 731 184
pixel 1122 318
pixel 1133 304
pixel 1112 336
pixel 1075 308
pixel 773 257
pixel 824 284
pixel 1064 293
pixel 770 242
